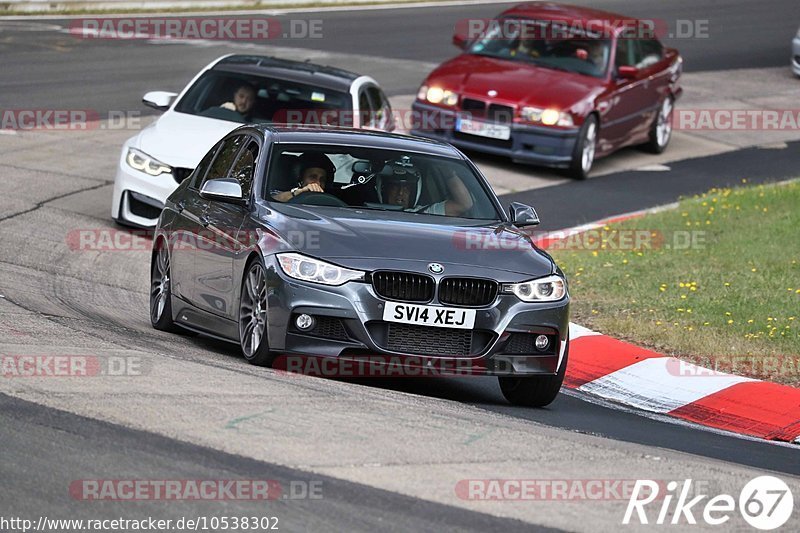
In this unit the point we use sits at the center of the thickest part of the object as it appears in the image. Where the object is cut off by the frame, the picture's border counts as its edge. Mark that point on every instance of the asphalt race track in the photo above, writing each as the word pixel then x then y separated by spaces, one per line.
pixel 388 453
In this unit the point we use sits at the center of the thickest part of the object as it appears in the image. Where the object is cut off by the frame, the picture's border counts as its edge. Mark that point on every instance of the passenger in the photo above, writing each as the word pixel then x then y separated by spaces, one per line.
pixel 400 184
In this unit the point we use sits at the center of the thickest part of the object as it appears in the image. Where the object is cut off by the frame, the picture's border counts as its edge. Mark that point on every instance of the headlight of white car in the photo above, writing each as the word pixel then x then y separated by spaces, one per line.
pixel 302 267
pixel 549 289
pixel 149 165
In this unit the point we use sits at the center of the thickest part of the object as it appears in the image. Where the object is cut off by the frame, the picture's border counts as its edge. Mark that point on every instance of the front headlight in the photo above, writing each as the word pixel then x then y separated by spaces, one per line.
pixel 549 289
pixel 548 117
pixel 141 161
pixel 437 95
pixel 304 268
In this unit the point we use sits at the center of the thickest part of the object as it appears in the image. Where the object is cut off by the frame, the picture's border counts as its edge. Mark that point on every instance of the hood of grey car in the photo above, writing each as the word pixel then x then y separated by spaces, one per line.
pixel 368 239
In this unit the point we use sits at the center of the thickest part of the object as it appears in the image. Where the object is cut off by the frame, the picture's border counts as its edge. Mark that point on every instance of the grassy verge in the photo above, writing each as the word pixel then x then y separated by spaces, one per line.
pixel 715 281
pixel 251 6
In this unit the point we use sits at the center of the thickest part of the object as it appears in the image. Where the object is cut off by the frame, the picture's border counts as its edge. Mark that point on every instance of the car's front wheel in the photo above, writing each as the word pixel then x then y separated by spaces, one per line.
pixel 253 316
pixel 160 290
pixel 534 391
pixel 584 151
pixel 661 130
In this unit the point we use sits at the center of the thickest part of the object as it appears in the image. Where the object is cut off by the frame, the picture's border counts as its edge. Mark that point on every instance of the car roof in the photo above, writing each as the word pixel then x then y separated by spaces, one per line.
pixel 298 71
pixel 356 137
pixel 570 14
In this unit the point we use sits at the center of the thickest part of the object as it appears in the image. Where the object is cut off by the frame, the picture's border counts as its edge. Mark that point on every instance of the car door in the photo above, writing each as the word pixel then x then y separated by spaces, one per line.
pixel 183 232
pixel 220 223
pixel 626 104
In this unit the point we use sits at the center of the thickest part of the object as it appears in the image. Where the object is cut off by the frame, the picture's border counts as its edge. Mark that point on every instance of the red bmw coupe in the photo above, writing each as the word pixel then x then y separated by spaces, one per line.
pixel 553 85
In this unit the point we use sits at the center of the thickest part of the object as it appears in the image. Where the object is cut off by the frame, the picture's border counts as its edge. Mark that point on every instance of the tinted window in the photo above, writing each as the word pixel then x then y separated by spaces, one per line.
pixel 245 168
pixel 365 109
pixel 388 183
pixel 202 168
pixel 382 111
pixel 262 99
pixel 626 56
pixel 650 51
pixel 225 157
pixel 548 44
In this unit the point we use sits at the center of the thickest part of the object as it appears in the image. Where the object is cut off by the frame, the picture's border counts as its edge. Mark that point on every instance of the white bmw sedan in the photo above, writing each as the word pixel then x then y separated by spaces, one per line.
pixel 231 91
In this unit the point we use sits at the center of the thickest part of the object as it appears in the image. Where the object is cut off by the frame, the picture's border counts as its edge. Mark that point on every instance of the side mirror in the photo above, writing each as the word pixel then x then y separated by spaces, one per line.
pixel 223 190
pixel 160 100
pixel 460 40
pixel 522 215
pixel 626 72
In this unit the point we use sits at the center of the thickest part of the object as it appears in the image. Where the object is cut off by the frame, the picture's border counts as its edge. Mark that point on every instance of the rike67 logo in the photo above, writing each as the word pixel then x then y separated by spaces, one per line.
pixel 765 503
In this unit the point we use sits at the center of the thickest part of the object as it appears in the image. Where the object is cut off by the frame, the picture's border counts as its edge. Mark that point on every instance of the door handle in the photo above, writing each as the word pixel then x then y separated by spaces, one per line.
pixel 204 220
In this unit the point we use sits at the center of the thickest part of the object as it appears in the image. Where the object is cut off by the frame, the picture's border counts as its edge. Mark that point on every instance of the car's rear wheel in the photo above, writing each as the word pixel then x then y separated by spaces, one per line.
pixel 534 391
pixel 661 130
pixel 253 316
pixel 160 290
pixel 585 148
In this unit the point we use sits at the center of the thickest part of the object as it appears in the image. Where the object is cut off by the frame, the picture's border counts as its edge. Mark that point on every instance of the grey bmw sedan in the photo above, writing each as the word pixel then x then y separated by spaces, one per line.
pixel 348 245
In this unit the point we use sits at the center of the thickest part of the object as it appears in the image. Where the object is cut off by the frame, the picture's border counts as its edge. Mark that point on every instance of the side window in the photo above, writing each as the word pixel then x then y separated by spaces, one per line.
pixel 244 169
pixel 625 48
pixel 225 157
pixel 365 110
pixel 651 53
pixel 202 168
pixel 380 105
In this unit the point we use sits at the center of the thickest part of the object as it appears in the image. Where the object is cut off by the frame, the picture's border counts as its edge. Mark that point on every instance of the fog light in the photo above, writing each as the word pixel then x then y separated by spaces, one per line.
pixel 542 342
pixel 305 321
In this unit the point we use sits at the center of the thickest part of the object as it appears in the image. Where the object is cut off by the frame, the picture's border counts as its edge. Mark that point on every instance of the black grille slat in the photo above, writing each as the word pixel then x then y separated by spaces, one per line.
pixel 424 340
pixel 500 113
pixel 468 292
pixel 403 286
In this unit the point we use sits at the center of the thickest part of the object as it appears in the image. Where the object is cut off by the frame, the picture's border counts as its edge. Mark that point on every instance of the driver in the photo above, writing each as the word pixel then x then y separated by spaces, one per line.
pixel 315 171
pixel 400 184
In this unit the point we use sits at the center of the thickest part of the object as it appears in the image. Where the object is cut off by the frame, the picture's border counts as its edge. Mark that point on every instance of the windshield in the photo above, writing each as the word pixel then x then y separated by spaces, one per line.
pixel 387 181
pixel 247 98
pixel 546 44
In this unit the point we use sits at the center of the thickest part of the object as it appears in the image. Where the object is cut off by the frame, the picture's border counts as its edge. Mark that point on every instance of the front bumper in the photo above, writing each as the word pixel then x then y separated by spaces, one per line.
pixel 537 145
pixel 349 325
pixel 796 56
pixel 138 198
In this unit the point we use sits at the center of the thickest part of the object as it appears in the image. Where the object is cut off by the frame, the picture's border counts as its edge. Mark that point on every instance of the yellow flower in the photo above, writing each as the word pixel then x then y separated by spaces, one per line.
pixel 727 284
pixel 730 321
pixel 750 321
pixel 753 270
pixel 683 296
pixel 727 313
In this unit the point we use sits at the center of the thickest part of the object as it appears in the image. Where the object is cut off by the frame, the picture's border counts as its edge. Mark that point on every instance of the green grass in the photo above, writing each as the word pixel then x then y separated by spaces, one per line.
pixel 8 9
pixel 733 295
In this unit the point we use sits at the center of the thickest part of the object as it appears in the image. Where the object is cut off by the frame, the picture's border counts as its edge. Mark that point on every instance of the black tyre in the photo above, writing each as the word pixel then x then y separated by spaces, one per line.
pixel 585 148
pixel 253 316
pixel 661 129
pixel 534 391
pixel 160 290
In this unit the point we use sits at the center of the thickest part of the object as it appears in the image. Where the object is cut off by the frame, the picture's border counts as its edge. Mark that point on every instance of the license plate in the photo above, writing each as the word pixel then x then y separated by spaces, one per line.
pixel 429 315
pixel 483 129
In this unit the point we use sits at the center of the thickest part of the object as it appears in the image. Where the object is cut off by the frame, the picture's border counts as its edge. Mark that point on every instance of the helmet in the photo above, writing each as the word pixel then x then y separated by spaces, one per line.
pixel 399 172
pixel 317 160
